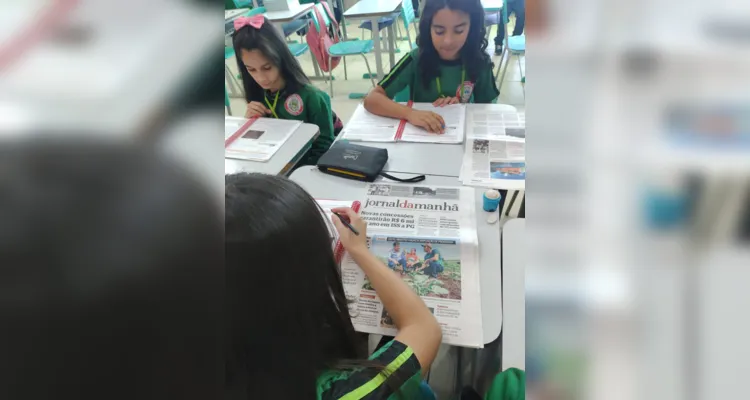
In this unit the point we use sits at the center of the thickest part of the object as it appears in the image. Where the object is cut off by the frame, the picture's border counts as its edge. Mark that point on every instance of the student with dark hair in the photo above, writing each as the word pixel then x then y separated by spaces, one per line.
pixel 289 332
pixel 275 85
pixel 450 66
pixel 110 275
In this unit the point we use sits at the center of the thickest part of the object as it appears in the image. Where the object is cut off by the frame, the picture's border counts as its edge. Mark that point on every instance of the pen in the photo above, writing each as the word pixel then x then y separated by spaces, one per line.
pixel 348 225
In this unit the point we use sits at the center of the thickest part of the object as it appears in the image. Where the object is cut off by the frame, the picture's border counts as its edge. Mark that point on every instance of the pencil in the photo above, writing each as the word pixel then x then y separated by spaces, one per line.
pixel 348 225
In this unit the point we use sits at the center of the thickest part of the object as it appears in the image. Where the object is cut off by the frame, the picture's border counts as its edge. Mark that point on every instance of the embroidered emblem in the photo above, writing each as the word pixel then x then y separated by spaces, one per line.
pixel 294 105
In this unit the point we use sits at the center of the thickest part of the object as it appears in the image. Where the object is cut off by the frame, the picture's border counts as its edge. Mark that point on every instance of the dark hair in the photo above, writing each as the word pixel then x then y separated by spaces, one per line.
pixel 288 316
pixel 474 52
pixel 111 271
pixel 267 40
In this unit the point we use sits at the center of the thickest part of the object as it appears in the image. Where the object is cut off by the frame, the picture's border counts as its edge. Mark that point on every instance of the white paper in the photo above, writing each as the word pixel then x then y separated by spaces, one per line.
pixel 495 163
pixel 368 127
pixel 415 215
pixel 261 140
pixel 490 122
pixel 454 116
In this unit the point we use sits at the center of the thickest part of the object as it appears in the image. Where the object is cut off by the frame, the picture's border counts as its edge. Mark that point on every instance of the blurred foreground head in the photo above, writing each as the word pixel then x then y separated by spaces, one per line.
pixel 110 263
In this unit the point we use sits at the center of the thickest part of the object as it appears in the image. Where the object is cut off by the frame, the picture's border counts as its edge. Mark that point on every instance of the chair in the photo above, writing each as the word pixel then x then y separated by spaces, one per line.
pixel 409 17
pixel 228 77
pixel 343 49
pixel 226 101
pixel 514 46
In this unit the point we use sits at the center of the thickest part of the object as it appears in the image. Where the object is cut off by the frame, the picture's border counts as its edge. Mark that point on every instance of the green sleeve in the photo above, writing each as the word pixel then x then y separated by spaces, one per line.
pixel 319 113
pixel 399 377
pixel 401 76
pixel 485 91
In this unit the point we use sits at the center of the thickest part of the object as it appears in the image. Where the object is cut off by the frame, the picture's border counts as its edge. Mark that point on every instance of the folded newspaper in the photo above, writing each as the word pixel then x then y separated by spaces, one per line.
pixel 495 152
pixel 426 234
pixel 256 140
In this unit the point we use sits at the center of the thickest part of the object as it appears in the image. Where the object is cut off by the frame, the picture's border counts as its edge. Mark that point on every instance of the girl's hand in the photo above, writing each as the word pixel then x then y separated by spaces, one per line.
pixel 428 120
pixel 256 109
pixel 445 101
pixel 354 244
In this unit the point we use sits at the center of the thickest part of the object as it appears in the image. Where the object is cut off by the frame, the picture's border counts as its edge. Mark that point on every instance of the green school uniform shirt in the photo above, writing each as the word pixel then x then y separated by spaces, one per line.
pixel 311 105
pixel 402 372
pixel 406 75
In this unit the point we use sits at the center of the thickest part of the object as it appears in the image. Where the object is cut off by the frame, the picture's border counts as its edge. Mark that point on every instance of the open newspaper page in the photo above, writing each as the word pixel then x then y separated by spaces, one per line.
pixel 327 206
pixel 495 163
pixel 367 127
pixel 261 140
pixel 489 122
pixel 454 116
pixel 427 235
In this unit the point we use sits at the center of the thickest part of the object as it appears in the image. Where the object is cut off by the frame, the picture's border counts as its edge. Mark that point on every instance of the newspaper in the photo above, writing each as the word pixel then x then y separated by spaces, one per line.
pixel 368 127
pixel 261 140
pixel 454 117
pixel 326 206
pixel 495 163
pixel 428 236
pixel 488 122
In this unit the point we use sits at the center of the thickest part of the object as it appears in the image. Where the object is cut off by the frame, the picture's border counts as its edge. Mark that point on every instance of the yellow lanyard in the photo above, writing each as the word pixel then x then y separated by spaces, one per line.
pixel 273 107
pixel 440 88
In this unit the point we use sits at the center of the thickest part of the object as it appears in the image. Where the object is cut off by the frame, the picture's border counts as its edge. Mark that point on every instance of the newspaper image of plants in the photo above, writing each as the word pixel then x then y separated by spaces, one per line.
pixel 447 285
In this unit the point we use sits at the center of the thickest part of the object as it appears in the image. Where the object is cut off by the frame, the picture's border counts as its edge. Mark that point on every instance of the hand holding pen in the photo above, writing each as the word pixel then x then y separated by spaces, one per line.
pixel 352 229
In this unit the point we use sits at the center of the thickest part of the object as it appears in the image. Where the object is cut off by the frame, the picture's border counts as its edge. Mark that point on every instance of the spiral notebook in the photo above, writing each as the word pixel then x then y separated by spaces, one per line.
pixel 327 205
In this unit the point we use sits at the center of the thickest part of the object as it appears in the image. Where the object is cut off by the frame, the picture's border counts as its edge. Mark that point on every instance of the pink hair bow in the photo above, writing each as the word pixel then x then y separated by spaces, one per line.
pixel 256 21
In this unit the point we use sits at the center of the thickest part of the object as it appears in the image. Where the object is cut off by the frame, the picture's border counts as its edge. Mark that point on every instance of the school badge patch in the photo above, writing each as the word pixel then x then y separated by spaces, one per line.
pixel 294 105
pixel 465 91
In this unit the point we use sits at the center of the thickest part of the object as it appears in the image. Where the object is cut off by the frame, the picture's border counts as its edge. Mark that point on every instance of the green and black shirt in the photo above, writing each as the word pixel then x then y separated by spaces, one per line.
pixel 400 379
pixel 308 104
pixel 406 74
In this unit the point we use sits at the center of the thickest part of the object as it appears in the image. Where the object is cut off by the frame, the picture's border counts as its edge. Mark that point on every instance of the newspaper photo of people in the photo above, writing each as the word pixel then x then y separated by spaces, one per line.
pixel 432 268
pixel 385 320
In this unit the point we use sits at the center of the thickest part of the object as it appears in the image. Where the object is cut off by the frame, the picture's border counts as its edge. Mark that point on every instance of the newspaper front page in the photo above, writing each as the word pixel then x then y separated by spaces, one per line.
pixel 426 234
pixel 495 163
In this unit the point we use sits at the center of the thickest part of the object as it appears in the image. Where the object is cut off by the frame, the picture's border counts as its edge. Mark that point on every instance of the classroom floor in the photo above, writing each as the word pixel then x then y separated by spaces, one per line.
pixel 511 91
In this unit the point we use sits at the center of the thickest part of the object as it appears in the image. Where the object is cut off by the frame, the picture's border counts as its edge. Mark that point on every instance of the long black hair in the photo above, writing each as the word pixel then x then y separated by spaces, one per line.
pixel 267 40
pixel 288 317
pixel 474 52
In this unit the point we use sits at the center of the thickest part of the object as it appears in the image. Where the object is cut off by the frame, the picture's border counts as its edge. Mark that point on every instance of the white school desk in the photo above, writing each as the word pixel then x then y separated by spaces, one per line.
pixel 514 294
pixel 373 10
pixel 325 186
pixel 279 18
pixel 231 14
pixel 430 158
pixel 285 158
pixel 492 5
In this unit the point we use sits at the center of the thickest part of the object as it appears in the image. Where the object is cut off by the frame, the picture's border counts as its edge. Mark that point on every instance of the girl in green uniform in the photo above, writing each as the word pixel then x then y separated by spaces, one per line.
pixel 289 333
pixel 275 85
pixel 450 66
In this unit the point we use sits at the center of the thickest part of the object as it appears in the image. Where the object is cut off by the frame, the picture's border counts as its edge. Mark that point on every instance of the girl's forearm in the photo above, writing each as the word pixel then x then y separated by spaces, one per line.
pixel 378 103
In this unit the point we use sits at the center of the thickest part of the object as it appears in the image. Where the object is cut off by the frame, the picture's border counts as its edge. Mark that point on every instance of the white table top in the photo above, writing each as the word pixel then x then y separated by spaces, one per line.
pixel 303 136
pixel 429 158
pixel 321 185
pixel 372 8
pixel 514 294
pixel 229 14
pixel 492 5
pixel 289 15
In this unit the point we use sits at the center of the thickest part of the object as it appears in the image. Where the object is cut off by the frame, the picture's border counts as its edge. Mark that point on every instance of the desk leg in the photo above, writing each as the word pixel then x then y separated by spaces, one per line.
pixel 376 47
pixel 392 45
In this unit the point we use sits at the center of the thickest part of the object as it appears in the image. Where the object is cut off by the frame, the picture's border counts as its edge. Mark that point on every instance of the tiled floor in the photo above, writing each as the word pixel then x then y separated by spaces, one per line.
pixel 511 91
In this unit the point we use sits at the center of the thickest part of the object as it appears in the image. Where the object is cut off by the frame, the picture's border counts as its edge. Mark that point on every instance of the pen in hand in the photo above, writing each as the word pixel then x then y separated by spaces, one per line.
pixel 346 223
